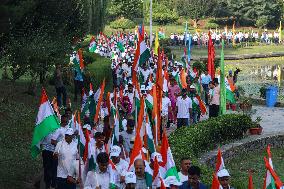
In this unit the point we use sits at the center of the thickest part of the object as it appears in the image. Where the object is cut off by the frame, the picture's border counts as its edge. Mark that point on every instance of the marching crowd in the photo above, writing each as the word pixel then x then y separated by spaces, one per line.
pixel 111 139
pixel 200 39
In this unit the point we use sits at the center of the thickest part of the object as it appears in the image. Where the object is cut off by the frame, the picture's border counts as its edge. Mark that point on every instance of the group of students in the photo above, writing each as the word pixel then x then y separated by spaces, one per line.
pixel 64 168
pixel 201 38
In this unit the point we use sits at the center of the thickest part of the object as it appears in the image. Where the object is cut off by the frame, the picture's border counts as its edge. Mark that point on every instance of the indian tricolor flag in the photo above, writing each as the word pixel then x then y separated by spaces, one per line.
pixel 78 60
pixel 150 138
pixel 115 132
pixel 92 46
pixel 168 164
pixel 181 79
pixel 142 54
pixel 230 88
pixel 219 162
pixel 278 182
pixel 46 123
pixel 99 94
pixel 156 174
pixel 215 183
pixel 269 181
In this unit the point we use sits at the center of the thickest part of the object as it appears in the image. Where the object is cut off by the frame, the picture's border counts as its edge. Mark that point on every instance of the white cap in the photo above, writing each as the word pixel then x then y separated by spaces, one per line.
pixel 115 151
pixel 69 131
pixel 87 126
pixel 142 88
pixel 192 86
pixel 158 155
pixel 223 173
pixel 172 180
pixel 130 177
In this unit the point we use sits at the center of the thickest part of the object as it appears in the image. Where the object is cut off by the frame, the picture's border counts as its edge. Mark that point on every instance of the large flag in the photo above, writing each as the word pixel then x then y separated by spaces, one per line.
pixel 269 181
pixel 100 99
pixel 168 164
pixel 150 138
pixel 46 123
pixel 278 182
pixel 250 184
pixel 156 174
pixel 230 91
pixel 181 79
pixel 156 50
pixel 219 162
pixel 222 83
pixel 211 57
pixel 93 45
pixel 215 183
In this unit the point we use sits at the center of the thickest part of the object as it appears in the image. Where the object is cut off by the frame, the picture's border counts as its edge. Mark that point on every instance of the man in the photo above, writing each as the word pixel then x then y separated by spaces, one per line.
pixel 59 86
pixel 205 79
pixel 66 152
pixel 224 179
pixel 128 135
pixel 215 101
pixel 49 164
pixel 99 144
pixel 120 164
pixel 99 179
pixel 183 109
pixel 59 133
pixel 193 181
pixel 166 110
pixel 130 180
pixel 78 83
pixel 139 166
pixel 184 167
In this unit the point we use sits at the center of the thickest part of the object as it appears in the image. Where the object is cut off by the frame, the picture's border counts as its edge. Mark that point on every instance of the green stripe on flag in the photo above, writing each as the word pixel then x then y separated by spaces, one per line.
pixel 172 172
pixel 144 57
pixel 230 96
pixel 47 126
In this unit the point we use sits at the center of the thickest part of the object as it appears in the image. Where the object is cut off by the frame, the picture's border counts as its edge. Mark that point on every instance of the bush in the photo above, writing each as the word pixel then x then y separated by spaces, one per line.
pixel 192 141
pixel 122 23
pixel 262 22
pixel 210 25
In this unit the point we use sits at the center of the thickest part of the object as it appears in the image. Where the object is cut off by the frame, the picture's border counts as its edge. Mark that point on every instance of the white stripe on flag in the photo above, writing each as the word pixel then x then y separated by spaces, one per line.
pixel 45 110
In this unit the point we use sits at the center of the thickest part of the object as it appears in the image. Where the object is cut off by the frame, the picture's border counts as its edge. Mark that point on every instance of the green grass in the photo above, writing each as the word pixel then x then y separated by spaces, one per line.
pixel 239 166
pixel 196 52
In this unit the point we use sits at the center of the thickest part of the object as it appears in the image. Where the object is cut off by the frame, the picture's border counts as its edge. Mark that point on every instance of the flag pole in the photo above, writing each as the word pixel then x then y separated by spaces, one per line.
pixel 151 37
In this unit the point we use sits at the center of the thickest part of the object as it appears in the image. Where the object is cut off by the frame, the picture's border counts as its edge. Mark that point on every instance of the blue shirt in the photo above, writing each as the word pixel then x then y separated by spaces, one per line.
pixel 78 76
pixel 205 79
pixel 185 185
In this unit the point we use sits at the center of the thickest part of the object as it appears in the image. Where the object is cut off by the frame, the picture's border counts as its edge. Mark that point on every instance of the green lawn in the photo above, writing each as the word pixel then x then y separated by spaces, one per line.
pixel 197 52
pixel 238 167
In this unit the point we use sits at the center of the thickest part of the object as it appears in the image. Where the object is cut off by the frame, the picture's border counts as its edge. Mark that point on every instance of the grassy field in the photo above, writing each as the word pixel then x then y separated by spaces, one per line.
pixel 197 52
pixel 239 167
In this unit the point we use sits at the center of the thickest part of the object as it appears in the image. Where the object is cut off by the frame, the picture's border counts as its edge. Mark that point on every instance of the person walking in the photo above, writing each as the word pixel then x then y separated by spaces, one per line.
pixel 59 86
pixel 184 109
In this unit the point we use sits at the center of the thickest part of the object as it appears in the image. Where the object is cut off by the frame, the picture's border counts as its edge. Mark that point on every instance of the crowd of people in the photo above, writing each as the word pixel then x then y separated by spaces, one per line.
pixel 186 96
pixel 200 39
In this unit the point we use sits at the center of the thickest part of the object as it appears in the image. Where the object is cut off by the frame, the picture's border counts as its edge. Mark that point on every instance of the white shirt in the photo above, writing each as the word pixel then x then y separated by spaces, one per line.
pixel 97 179
pixel 165 106
pixel 182 177
pixel 46 143
pixel 122 167
pixel 59 134
pixel 66 155
pixel 183 106
pixel 145 74
pixel 126 140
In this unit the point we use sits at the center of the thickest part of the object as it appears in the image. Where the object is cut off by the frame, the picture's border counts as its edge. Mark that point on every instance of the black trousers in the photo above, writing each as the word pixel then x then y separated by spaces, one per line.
pixel 78 86
pixel 49 168
pixel 61 92
pixel 213 110
pixel 182 122
pixel 63 184
pixel 206 90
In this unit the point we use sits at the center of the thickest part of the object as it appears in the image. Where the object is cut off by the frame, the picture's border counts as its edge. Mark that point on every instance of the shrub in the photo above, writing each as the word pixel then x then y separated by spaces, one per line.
pixel 206 135
pixel 122 23
pixel 210 25
pixel 262 22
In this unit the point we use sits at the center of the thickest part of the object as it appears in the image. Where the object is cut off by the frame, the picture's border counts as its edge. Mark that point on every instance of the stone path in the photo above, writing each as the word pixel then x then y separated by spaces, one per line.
pixel 273 126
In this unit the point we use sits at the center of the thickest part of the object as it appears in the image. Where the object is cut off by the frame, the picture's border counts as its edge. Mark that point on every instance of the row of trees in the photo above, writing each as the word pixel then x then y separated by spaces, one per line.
pixel 244 12
pixel 36 34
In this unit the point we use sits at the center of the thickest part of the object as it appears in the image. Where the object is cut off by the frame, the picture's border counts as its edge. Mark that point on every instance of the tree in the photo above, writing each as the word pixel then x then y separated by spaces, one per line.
pixel 125 8
pixel 253 10
pixel 96 15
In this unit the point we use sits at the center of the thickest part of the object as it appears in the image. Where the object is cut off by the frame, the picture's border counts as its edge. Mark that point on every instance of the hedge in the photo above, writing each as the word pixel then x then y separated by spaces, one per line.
pixel 206 135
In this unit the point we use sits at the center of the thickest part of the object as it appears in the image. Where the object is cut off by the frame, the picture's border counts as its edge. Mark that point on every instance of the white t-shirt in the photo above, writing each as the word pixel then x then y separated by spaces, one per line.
pixel 182 177
pixel 126 140
pixel 59 134
pixel 183 106
pixel 145 74
pixel 165 106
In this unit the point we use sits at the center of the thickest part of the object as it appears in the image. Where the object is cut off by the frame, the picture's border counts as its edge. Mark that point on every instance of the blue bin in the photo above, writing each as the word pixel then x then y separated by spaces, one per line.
pixel 271 96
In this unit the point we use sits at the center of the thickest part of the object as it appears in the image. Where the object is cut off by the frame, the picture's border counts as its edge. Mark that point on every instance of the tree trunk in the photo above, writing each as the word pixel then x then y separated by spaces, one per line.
pixel 5 73
pixel 195 21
